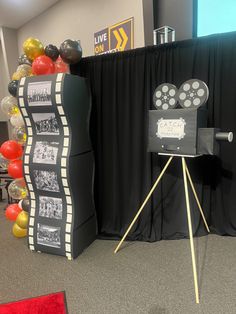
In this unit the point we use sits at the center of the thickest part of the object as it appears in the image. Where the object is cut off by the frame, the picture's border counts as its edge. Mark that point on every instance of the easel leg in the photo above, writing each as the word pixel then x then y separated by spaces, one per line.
pixel 144 203
pixel 196 198
pixel 190 231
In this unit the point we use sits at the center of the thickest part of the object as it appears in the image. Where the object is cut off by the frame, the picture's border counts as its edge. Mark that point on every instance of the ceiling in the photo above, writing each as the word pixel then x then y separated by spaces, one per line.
pixel 15 13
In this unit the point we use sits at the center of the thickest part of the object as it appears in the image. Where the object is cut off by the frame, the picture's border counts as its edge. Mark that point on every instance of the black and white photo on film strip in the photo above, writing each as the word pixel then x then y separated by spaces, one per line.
pixel 48 235
pixel 39 93
pixel 46 123
pixel 46 180
pixel 50 207
pixel 45 152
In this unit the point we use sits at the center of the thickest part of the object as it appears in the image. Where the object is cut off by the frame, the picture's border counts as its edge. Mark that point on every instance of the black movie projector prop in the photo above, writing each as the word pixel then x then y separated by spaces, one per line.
pixel 183 131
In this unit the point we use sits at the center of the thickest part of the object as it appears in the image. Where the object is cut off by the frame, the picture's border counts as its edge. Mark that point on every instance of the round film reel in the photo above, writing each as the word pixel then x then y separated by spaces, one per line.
pixel 164 96
pixel 193 94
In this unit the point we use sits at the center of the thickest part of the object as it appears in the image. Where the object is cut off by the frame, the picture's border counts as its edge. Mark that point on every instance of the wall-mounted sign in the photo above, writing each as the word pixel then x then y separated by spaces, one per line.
pixel 118 37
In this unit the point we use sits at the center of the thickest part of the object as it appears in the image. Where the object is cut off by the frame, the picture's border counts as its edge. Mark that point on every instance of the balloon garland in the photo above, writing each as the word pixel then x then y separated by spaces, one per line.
pixel 36 60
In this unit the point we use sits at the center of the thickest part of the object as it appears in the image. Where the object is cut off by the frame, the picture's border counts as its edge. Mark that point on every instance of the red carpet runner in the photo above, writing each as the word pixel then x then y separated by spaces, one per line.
pixel 54 303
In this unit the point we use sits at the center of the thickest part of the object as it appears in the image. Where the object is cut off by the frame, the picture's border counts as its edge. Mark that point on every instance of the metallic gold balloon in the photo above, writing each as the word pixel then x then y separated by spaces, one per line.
pixel 22 219
pixel 33 48
pixel 19 135
pixel 9 106
pixel 19 232
pixel 17 189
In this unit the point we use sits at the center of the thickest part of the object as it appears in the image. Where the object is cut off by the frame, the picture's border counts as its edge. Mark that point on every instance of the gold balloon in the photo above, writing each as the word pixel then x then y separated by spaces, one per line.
pixel 22 219
pixel 17 76
pixel 19 232
pixel 33 48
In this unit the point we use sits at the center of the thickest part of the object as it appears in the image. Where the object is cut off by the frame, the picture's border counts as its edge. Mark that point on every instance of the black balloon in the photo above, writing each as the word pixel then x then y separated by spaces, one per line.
pixel 52 52
pixel 71 51
pixel 25 205
pixel 23 60
pixel 12 87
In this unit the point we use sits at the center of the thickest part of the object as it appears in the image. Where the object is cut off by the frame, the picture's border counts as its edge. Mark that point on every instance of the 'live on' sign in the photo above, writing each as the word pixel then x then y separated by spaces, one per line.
pixel 118 37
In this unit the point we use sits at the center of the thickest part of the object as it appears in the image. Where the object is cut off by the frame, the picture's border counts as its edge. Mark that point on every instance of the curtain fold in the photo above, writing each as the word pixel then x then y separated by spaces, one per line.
pixel 122 86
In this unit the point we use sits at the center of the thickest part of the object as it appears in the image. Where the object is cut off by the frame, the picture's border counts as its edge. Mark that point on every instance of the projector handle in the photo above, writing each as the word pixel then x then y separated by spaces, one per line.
pixel 224 136
pixel 170 148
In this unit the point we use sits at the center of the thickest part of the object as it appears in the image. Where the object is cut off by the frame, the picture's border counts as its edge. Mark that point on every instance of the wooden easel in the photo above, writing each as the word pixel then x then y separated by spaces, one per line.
pixel 186 175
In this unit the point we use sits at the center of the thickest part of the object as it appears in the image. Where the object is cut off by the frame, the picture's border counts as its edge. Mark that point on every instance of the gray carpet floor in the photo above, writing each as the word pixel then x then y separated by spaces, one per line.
pixel 153 278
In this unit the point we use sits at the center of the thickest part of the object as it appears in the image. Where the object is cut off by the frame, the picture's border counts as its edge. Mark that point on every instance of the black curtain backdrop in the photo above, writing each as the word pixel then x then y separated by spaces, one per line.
pixel 122 86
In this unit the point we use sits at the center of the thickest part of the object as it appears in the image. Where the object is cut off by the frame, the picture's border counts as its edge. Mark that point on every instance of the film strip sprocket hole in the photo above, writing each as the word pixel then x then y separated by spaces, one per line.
pixel 165 96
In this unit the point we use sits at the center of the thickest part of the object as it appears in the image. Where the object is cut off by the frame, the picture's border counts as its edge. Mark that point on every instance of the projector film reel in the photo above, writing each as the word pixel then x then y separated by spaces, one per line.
pixel 193 94
pixel 164 96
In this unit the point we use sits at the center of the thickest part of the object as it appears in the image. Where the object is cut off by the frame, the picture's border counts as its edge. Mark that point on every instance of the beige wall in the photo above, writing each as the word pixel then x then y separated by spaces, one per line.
pixel 8 61
pixel 11 48
pixel 80 19
pixel 3 82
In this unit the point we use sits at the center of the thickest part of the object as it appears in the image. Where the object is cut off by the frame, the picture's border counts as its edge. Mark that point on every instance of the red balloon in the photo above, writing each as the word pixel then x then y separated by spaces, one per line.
pixel 12 212
pixel 11 150
pixel 61 66
pixel 15 169
pixel 43 65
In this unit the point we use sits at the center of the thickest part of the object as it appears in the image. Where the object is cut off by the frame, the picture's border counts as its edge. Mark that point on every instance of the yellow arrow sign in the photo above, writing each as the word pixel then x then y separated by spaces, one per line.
pixel 118 38
pixel 121 38
pixel 125 38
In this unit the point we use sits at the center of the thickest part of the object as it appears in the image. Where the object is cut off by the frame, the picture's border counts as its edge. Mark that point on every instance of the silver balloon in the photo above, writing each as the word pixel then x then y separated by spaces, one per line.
pixel 23 60
pixel 4 162
pixel 17 189
pixel 9 105
pixel 19 134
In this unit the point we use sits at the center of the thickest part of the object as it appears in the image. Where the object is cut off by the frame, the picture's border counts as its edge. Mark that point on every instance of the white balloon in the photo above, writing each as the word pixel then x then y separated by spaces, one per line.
pixel 17 120
pixel 20 204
